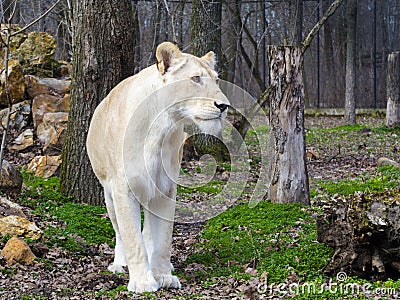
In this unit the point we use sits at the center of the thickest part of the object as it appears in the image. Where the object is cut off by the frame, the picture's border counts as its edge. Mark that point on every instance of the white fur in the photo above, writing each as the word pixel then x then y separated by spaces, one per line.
pixel 134 144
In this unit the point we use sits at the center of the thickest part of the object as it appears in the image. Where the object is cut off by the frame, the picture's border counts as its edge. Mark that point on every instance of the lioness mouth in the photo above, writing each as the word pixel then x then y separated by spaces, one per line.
pixel 208 119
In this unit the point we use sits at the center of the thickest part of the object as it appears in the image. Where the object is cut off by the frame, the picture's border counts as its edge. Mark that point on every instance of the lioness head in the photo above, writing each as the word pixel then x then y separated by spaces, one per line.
pixel 196 88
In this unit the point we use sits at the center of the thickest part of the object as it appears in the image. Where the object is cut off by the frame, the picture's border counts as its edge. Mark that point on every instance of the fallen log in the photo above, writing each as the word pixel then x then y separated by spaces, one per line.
pixel 364 231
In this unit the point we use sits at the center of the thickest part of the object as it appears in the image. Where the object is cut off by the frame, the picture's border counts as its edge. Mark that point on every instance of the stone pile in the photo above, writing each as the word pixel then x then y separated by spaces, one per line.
pixel 40 89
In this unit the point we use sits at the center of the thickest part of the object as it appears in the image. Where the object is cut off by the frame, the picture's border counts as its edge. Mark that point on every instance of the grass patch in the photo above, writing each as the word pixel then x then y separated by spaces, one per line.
pixel 347 128
pixel 272 238
pixel 388 178
pixel 212 187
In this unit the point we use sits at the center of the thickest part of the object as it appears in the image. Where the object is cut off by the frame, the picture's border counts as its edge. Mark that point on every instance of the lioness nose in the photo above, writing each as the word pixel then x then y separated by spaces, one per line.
pixel 221 106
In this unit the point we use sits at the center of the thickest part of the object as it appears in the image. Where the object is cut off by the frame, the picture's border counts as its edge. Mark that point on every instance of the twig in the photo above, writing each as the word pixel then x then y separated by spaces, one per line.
pixel 331 9
pixel 37 19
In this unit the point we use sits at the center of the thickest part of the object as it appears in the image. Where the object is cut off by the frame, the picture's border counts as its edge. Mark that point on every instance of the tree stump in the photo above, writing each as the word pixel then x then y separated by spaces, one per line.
pixel 393 90
pixel 364 231
pixel 288 180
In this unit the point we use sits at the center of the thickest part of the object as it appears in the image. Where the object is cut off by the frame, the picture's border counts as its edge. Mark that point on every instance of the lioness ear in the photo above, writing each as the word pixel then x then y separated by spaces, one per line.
pixel 165 53
pixel 210 58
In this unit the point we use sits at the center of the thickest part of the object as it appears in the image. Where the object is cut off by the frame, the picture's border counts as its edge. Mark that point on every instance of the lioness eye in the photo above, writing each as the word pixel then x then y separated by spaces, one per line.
pixel 196 79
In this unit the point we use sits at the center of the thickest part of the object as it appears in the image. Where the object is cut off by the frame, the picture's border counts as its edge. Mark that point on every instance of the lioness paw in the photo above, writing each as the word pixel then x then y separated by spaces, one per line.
pixel 116 268
pixel 168 281
pixel 141 286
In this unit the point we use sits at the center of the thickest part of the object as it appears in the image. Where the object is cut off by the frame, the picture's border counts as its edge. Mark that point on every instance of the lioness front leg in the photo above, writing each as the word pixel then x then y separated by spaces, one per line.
pixel 160 226
pixel 127 211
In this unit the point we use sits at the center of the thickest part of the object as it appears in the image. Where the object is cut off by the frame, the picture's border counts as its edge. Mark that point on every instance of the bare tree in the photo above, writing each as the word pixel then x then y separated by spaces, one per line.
pixel 350 102
pixel 393 90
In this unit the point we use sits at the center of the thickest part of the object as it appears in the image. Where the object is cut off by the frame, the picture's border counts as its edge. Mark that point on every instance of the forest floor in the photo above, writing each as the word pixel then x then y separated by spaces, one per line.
pixel 337 153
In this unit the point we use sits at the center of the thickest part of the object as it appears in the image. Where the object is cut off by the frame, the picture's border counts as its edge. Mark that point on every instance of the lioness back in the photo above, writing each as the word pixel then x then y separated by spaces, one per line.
pixel 111 117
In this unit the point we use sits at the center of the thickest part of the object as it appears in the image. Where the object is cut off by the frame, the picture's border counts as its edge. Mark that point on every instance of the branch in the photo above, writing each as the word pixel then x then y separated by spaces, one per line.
pixel 12 13
pixel 330 11
pixel 37 19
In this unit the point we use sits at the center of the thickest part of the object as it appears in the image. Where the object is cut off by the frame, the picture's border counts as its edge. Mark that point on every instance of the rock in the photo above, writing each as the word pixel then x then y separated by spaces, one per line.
pixel 19 226
pixel 11 178
pixel 15 40
pixel 43 104
pixel 20 115
pixel 37 86
pixel 17 250
pixel 45 166
pixel 36 53
pixel 16 82
pixel 51 132
pixel 383 161
pixel 9 208
pixel 65 69
pixel 23 141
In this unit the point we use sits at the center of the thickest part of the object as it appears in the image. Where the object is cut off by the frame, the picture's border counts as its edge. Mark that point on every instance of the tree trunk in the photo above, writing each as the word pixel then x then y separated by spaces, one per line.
pixel 363 229
pixel 205 35
pixel 393 90
pixel 288 180
pixel 350 103
pixel 205 29
pixel 103 54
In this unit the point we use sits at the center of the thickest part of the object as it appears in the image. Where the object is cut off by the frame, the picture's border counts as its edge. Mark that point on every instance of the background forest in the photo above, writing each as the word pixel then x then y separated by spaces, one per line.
pixel 246 27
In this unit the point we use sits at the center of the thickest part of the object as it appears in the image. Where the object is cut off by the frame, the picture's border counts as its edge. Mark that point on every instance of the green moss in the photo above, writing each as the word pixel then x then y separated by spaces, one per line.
pixel 83 224
pixel 212 187
pixel 258 130
pixel 273 238
pixel 87 221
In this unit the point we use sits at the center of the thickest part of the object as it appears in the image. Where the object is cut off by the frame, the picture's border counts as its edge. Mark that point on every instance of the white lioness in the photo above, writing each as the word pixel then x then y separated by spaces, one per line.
pixel 134 145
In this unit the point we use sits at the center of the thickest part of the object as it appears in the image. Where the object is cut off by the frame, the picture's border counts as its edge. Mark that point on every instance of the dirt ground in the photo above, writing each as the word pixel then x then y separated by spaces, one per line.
pixel 74 277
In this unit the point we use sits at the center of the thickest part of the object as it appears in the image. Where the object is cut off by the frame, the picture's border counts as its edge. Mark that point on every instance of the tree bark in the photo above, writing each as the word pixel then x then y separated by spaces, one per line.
pixel 103 54
pixel 205 30
pixel 288 179
pixel 350 102
pixel 393 90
